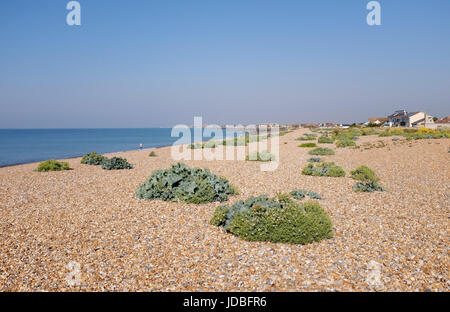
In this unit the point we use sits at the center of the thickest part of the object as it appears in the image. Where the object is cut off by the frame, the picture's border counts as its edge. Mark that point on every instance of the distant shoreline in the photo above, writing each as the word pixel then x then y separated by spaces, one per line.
pixel 80 155
pixel 27 146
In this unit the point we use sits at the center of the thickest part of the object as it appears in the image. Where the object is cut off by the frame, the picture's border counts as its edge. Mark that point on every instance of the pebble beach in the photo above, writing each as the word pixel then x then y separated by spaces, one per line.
pixel 84 230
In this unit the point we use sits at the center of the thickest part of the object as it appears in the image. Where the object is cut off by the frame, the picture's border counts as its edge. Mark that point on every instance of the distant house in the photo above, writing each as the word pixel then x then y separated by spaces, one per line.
pixel 327 125
pixel 445 120
pixel 378 120
pixel 402 118
pixel 441 123
pixel 419 119
pixel 398 119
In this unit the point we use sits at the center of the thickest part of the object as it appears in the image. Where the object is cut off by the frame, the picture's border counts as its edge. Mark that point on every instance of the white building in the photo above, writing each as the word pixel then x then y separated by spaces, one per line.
pixel 419 119
pixel 402 118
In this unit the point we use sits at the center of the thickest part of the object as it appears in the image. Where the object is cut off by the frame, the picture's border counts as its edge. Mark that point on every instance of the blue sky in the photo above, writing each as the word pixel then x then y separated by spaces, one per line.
pixel 159 63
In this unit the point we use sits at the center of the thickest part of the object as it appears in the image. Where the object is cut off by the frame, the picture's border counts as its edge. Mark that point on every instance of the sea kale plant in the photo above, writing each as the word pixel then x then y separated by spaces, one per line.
pixel 314 159
pixel 182 183
pixel 300 194
pixel 323 169
pixel 325 139
pixel 277 220
pixel 307 137
pixel 116 163
pixel 52 165
pixel 367 180
pixel 261 156
pixel 345 143
pixel 321 151
pixel 93 159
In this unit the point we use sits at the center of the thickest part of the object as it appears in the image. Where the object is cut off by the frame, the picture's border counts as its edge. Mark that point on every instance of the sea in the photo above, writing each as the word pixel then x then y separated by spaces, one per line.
pixel 19 146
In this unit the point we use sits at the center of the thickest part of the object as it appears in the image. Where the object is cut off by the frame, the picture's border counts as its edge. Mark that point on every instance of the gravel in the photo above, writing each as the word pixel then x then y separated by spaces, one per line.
pixel 84 230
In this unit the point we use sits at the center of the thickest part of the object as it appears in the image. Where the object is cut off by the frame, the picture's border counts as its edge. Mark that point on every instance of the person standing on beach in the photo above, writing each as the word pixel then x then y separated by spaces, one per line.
pixel 141 146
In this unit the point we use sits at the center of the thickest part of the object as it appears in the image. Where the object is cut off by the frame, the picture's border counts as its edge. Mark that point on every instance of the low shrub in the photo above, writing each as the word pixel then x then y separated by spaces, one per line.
pixel 307 137
pixel 364 174
pixel 367 187
pixel 52 165
pixel 348 134
pixel 190 185
pixel 368 180
pixel 277 220
pixel 196 146
pixel 324 139
pixel 321 151
pixel 370 130
pixel 345 143
pixel 261 156
pixel 385 133
pixel 300 194
pixel 314 159
pixel 425 133
pixel 93 159
pixel 308 145
pixel 313 195
pixel 152 154
pixel 116 163
pixel 323 170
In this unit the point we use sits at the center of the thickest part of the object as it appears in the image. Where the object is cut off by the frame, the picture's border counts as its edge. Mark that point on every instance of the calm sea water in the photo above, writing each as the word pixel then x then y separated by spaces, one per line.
pixel 30 145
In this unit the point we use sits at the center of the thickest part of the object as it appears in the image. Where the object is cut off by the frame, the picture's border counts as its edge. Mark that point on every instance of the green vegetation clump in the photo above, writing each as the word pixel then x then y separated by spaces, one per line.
pixel 417 134
pixel 93 159
pixel 314 159
pixel 277 220
pixel 321 151
pixel 345 143
pixel 281 133
pixel 52 165
pixel 370 130
pixel 323 170
pixel 190 185
pixel 385 133
pixel 313 195
pixel 347 134
pixel 368 180
pixel 300 194
pixel 152 154
pixel 324 139
pixel 367 187
pixel 308 145
pixel 261 156
pixel 427 135
pixel 364 174
pixel 116 163
pixel 307 137
pixel 210 144
pixel 393 131
pixel 196 146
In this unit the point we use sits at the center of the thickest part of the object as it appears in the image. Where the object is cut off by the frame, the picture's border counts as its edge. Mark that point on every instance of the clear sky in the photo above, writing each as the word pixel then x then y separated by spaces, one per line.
pixel 160 62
